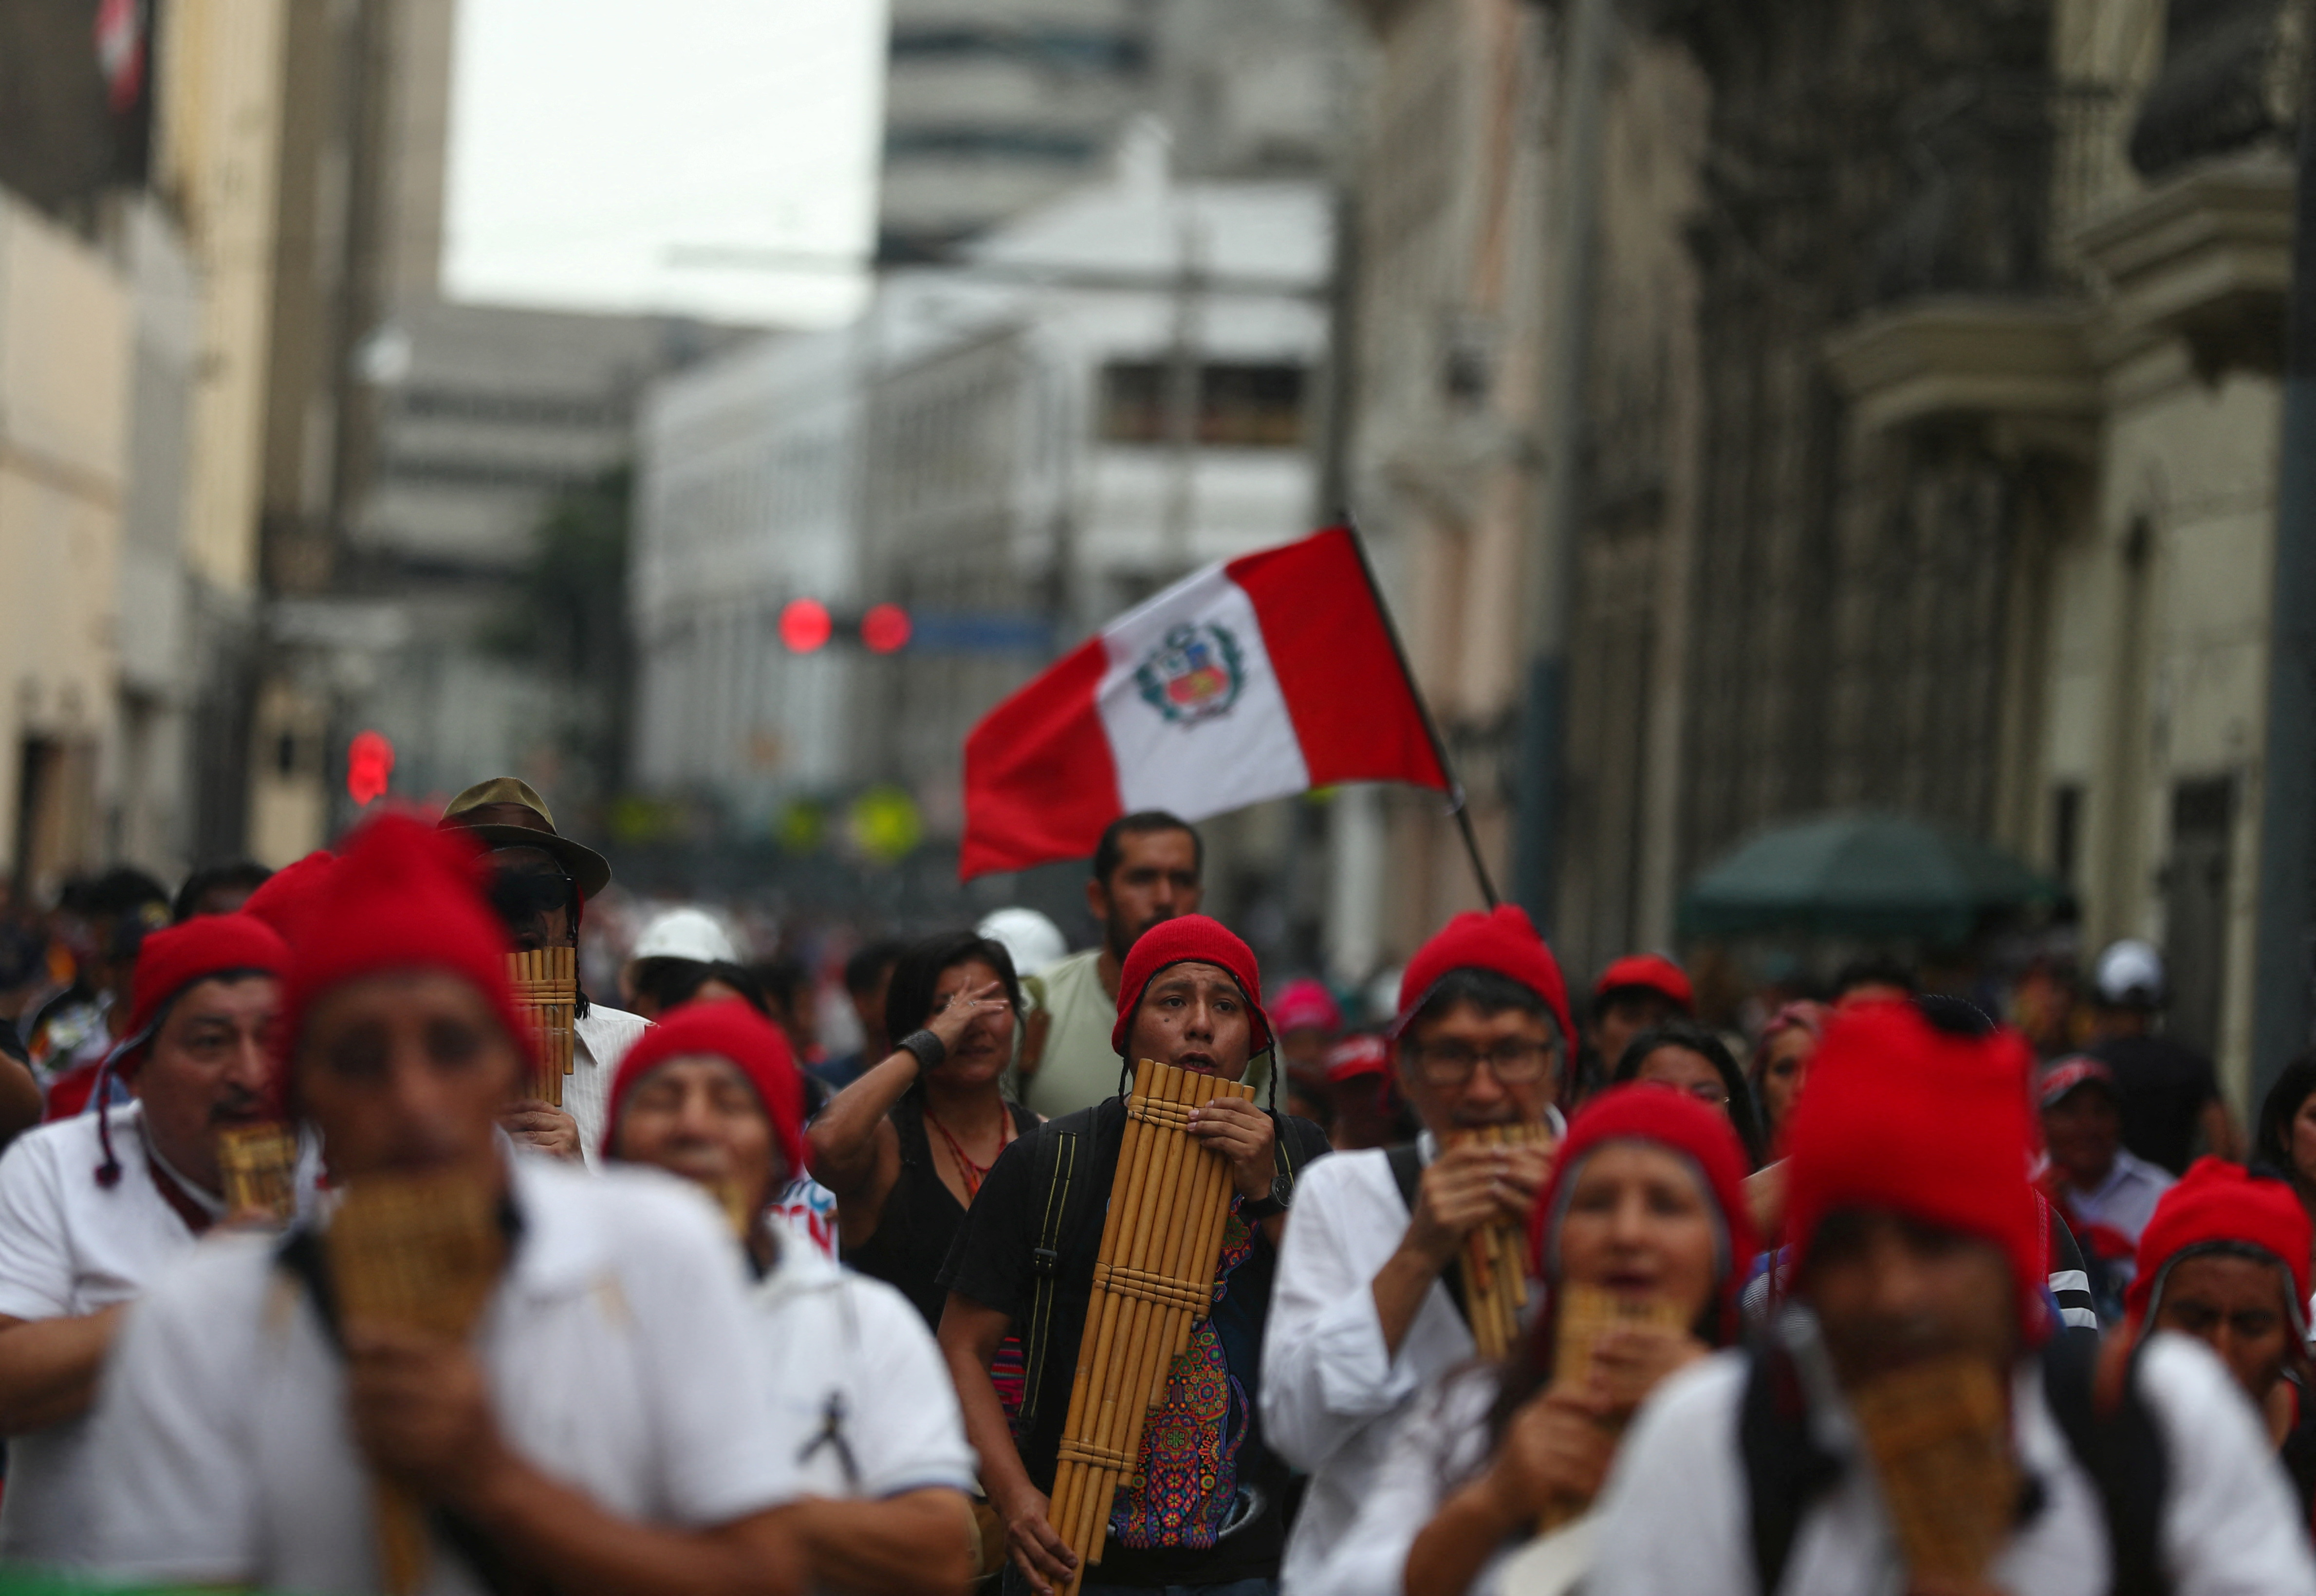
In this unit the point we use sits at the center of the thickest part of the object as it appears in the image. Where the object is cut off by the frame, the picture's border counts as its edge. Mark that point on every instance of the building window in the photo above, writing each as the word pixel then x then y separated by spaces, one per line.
pixel 1252 407
pixel 2067 831
pixel 1241 406
pixel 1006 144
pixel 1067 49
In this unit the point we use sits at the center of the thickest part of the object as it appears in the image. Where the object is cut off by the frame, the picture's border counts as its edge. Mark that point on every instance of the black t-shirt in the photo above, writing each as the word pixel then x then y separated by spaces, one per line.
pixel 922 1215
pixel 1212 1510
pixel 2164 1088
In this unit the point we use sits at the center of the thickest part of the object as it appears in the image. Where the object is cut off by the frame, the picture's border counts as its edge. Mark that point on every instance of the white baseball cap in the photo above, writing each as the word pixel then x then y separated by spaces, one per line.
pixel 1033 940
pixel 690 934
pixel 2130 972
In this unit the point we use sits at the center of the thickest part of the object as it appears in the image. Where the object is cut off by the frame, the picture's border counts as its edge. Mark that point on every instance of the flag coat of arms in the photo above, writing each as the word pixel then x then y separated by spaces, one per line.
pixel 1256 678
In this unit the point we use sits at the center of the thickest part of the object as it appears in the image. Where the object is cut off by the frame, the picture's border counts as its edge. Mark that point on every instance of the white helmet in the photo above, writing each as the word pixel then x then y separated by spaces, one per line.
pixel 1033 940
pixel 690 934
pixel 2129 975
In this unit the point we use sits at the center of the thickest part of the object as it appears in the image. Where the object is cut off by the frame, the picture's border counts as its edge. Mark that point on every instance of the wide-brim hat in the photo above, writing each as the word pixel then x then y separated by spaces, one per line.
pixel 589 870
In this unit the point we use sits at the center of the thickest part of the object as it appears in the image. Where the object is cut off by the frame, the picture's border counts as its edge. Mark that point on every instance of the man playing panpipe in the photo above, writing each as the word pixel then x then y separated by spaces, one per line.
pixel 540 882
pixel 1369 1309
pixel 1207 1514
pixel 861 1400
pixel 1911 1422
pixel 279 1416
pixel 94 1208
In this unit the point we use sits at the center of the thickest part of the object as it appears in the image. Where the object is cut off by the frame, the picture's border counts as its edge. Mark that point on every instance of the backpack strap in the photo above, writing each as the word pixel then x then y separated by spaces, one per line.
pixel 299 1256
pixel 1054 1172
pixel 2119 1445
pixel 1406 1162
pixel 1784 1469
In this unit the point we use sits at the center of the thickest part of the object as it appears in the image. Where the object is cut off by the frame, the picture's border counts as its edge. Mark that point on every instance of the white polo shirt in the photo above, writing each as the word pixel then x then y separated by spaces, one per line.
pixel 1675 1514
pixel 599 1039
pixel 864 1405
pixel 69 1246
pixel 1334 1401
pixel 620 1355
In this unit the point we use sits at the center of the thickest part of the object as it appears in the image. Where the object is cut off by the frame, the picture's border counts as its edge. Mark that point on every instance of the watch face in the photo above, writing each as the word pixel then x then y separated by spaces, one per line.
pixel 1282 1190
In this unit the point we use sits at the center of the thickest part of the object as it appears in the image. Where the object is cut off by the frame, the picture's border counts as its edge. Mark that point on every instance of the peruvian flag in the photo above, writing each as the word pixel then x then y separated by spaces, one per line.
pixel 1254 679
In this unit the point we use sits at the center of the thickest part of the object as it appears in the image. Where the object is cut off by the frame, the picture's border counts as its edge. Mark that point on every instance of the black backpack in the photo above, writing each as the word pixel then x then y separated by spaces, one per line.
pixel 2118 1445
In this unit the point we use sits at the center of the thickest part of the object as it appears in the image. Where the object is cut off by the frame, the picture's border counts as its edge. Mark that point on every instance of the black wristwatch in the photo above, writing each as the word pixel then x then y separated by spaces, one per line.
pixel 1281 1199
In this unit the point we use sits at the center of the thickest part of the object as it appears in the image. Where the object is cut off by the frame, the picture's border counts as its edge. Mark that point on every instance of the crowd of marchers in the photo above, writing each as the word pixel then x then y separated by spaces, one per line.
pixel 1908 1300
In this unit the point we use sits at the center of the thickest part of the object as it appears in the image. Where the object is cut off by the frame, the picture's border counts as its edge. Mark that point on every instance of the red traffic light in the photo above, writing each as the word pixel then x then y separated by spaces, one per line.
pixel 885 629
pixel 804 625
pixel 370 763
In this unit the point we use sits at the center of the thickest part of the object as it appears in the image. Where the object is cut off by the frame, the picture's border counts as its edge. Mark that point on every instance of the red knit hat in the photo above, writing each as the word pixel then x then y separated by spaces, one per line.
pixel 728 1029
pixel 2219 1202
pixel 1503 940
pixel 168 962
pixel 1187 939
pixel 1653 972
pixel 173 959
pixel 404 896
pixel 1641 1110
pixel 286 899
pixel 1929 1123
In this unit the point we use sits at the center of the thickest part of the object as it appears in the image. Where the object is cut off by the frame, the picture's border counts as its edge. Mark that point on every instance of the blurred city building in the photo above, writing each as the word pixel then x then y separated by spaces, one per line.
pixel 1097 398
pixel 993 107
pixel 417 449
pixel 138 221
pixel 1926 459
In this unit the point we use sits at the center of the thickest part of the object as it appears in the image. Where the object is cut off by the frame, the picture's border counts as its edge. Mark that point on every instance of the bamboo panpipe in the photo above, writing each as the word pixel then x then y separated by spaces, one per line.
pixel 1939 1435
pixel 1152 1281
pixel 546 982
pixel 422 1252
pixel 1584 1317
pixel 1494 1260
pixel 258 1164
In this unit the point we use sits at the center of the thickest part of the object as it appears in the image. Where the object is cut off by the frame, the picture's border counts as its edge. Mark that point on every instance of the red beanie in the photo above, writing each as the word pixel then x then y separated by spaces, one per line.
pixel 1187 939
pixel 1927 1124
pixel 173 959
pixel 1653 972
pixel 728 1029
pixel 1503 940
pixel 404 896
pixel 2219 1202
pixel 285 900
pixel 1641 1110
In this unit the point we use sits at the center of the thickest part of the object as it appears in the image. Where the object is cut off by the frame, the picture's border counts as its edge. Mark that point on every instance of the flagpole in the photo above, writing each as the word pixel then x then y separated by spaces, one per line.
pixel 1457 806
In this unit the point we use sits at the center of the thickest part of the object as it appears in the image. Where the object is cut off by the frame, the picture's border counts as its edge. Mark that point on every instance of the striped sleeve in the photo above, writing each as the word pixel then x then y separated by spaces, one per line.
pixel 2071 1283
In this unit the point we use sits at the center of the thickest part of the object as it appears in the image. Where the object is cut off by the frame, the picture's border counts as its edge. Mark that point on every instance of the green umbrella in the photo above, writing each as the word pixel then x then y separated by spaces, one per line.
pixel 1862 874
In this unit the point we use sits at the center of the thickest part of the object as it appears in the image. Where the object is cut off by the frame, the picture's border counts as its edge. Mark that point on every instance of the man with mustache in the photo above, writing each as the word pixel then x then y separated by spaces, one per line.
pixel 1920 1257
pixel 93 1208
pixel 1367 1313
pixel 1208 1515
pixel 596 1430
pixel 1146 870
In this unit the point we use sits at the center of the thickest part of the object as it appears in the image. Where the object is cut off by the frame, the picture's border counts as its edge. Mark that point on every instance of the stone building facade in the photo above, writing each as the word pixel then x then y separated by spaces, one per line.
pixel 1929 439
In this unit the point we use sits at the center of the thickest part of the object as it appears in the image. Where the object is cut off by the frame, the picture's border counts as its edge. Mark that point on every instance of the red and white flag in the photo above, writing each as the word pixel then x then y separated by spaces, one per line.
pixel 1254 679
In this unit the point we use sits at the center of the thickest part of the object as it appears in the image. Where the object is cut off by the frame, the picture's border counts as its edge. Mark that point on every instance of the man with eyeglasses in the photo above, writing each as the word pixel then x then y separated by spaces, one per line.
pixel 1367 1313
pixel 541 883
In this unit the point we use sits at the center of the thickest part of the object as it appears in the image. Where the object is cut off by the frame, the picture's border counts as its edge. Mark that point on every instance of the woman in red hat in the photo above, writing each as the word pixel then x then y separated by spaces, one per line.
pixel 711 1095
pixel 1645 1207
